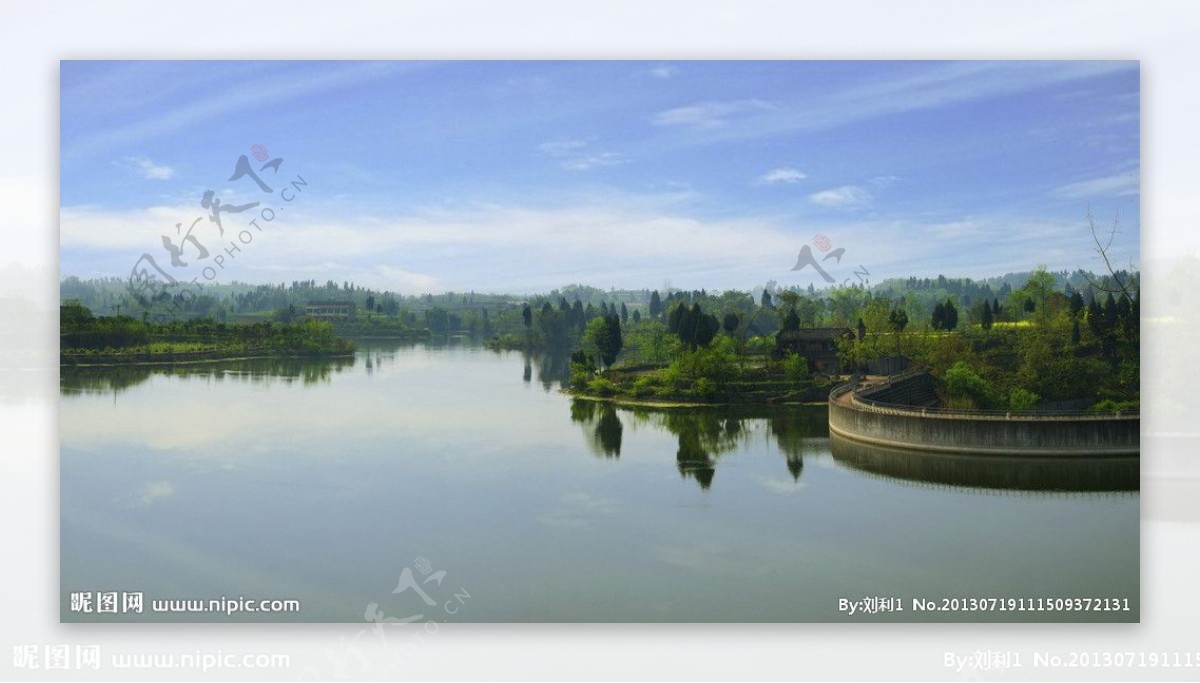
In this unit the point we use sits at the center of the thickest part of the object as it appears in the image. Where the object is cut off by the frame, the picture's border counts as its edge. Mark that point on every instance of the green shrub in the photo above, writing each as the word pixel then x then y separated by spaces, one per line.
pixel 705 388
pixel 795 367
pixel 601 386
pixel 1022 399
pixel 645 385
pixel 964 388
pixel 1108 405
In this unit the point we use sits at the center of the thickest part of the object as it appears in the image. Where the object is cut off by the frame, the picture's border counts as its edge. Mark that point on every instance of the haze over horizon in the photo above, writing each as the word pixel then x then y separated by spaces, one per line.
pixel 522 177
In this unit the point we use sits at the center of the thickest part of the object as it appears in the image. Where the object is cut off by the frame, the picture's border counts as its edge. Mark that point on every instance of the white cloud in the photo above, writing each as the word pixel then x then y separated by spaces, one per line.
pixel 614 240
pixel 154 491
pixel 846 196
pixel 663 71
pixel 149 169
pixel 575 156
pixel 585 162
pixel 563 147
pixel 782 175
pixel 1117 185
pixel 706 115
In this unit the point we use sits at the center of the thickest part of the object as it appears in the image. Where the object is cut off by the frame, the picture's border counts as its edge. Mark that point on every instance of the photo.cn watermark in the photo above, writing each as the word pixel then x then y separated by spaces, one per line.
pixel 150 283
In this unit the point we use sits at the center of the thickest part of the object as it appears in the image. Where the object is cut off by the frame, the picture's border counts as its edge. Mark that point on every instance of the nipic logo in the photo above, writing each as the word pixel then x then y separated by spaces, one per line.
pixel 823 243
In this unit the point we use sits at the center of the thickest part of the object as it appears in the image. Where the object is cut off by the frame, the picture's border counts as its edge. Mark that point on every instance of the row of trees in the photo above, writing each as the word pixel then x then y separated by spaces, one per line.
pixel 81 331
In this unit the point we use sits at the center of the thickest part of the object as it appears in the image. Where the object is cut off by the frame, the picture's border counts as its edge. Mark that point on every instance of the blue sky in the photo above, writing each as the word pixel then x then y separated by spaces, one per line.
pixel 526 176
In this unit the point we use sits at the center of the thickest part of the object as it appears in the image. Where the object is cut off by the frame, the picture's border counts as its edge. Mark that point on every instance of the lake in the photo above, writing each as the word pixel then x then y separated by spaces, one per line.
pixel 453 483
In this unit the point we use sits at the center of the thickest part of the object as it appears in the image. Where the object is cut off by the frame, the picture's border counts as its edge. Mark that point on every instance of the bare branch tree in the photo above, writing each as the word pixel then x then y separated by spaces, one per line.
pixel 1102 250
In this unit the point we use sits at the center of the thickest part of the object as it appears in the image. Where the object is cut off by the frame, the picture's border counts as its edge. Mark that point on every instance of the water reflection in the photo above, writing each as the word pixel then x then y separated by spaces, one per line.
pixel 206 487
pixel 1034 474
pixel 114 379
pixel 704 434
pixel 602 427
pixel 553 368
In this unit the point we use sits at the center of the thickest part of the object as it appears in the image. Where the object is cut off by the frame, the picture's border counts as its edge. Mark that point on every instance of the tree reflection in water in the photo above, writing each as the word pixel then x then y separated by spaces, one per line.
pixel 601 425
pixel 704 434
pixel 117 378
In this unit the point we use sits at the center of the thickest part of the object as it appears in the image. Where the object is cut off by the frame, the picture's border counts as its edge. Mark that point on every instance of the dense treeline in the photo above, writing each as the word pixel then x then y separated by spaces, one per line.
pixel 1038 338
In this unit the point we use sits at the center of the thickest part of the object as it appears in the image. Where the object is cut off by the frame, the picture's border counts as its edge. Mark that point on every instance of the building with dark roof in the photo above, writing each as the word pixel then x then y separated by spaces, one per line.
pixel 818 345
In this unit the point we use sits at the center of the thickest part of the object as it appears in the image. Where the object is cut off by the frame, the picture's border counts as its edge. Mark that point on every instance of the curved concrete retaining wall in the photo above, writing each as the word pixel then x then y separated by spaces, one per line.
pixel 982 433
pixel 1044 473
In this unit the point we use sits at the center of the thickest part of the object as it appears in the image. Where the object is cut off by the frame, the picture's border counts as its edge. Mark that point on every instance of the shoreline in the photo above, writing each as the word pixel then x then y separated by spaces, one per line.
pixel 108 363
pixel 679 404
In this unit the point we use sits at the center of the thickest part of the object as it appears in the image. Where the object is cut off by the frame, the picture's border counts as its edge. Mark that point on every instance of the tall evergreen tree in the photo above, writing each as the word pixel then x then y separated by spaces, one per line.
pixel 791 322
pixel 1076 304
pixel 674 318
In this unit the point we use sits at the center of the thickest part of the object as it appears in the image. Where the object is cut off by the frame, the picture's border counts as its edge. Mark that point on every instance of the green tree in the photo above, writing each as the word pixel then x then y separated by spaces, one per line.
pixel 603 338
pixel 655 304
pixel 1076 304
pixel 898 320
pixel 791 322
pixel 731 322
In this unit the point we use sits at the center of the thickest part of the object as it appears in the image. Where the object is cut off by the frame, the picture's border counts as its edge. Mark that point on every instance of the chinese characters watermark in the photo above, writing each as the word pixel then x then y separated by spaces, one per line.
pixel 148 281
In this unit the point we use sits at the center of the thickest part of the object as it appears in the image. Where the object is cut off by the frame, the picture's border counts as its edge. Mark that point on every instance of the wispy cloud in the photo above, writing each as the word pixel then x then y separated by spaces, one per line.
pixel 939 86
pixel 154 491
pixel 663 71
pixel 575 155
pixel 149 169
pixel 707 115
pixel 846 196
pixel 1117 185
pixel 585 162
pixel 955 229
pixel 208 103
pixel 782 175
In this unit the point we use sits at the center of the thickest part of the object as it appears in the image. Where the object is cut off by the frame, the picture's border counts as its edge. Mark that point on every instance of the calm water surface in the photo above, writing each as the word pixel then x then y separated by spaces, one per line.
pixel 325 481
